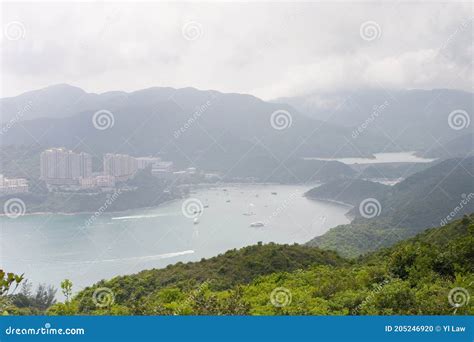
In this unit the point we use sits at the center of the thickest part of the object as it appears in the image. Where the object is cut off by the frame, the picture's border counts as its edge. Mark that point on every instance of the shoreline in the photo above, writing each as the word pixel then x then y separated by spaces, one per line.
pixel 192 187
pixel 89 212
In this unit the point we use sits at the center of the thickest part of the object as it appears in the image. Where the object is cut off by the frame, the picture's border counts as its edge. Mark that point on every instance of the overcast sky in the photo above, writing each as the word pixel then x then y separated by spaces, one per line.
pixel 266 49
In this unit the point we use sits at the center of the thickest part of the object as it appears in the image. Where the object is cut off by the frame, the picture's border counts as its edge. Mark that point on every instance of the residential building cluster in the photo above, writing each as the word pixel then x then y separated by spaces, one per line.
pixel 62 167
pixel 59 166
pixel 12 185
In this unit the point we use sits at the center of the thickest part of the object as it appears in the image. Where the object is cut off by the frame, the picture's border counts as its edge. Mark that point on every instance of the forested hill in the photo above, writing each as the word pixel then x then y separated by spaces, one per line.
pixel 421 201
pixel 221 272
pixel 415 276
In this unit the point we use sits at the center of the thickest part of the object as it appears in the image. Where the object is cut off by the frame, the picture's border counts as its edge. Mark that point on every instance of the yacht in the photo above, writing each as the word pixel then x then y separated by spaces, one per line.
pixel 257 224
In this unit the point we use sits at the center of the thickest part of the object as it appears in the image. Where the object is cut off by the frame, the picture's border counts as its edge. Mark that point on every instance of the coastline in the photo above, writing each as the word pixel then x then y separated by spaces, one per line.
pixel 35 213
pixel 198 186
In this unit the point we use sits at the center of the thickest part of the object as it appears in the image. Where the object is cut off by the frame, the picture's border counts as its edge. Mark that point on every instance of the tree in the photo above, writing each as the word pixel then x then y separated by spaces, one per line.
pixel 66 287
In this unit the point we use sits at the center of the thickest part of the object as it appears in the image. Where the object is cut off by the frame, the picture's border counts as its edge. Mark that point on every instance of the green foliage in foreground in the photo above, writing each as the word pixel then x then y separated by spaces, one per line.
pixel 414 277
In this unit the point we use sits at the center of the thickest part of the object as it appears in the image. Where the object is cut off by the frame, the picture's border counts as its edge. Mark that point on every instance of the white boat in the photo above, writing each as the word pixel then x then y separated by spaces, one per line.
pixel 196 220
pixel 257 224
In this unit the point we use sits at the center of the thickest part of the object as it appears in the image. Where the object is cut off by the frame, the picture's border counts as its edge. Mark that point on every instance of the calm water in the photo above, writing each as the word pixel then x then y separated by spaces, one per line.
pixel 380 158
pixel 49 248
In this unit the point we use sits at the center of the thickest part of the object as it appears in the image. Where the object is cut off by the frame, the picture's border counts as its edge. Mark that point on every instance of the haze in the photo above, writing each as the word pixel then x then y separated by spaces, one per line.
pixel 267 49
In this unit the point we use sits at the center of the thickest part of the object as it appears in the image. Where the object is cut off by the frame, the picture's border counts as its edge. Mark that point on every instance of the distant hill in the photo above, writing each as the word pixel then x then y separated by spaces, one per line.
pixel 457 147
pixel 351 191
pixel 206 129
pixel 390 170
pixel 56 101
pixel 421 201
pixel 412 119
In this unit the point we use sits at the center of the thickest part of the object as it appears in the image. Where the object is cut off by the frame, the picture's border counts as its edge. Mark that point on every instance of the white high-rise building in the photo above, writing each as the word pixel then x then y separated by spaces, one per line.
pixel 121 166
pixel 60 166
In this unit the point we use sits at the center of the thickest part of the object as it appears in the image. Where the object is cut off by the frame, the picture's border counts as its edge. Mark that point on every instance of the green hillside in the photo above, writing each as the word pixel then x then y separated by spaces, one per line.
pixel 220 273
pixel 413 277
pixel 421 201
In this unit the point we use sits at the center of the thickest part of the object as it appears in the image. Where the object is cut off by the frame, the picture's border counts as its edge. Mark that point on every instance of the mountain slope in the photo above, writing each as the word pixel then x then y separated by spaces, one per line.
pixel 423 200
pixel 351 191
pixel 206 129
pixel 414 119
pixel 221 272
pixel 414 277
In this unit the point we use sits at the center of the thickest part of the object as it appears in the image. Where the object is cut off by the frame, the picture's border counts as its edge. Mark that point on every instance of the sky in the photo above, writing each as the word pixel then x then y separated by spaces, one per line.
pixel 266 49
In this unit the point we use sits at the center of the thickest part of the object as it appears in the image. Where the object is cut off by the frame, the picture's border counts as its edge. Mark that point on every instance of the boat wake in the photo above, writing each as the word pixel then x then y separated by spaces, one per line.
pixel 136 217
pixel 142 258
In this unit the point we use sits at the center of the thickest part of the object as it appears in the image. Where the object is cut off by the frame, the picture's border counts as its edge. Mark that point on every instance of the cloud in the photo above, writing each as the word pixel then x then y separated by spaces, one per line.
pixel 267 49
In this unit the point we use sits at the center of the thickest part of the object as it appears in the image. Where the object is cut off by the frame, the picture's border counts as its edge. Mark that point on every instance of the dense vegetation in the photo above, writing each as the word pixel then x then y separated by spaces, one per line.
pixel 421 201
pixel 416 276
